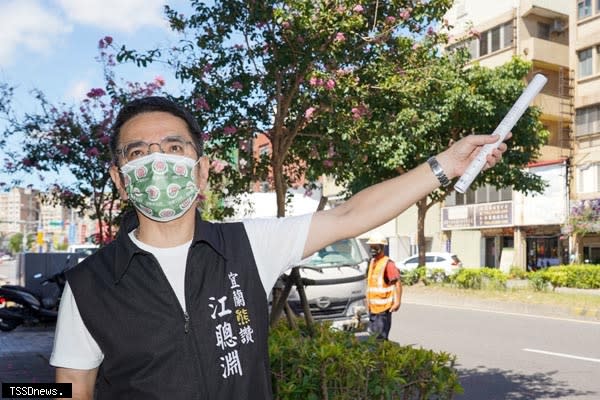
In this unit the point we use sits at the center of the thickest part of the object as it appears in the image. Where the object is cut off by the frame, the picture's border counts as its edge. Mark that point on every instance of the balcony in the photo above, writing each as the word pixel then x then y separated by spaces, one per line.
pixel 552 105
pixel 545 51
pixel 546 8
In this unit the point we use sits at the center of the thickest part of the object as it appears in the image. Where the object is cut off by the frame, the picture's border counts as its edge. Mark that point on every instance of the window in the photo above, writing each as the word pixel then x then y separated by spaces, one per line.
pixel 494 39
pixel 495 35
pixel 584 8
pixel 587 120
pixel 543 30
pixel 507 31
pixel 483 44
pixel 585 62
pixel 483 194
pixel 589 178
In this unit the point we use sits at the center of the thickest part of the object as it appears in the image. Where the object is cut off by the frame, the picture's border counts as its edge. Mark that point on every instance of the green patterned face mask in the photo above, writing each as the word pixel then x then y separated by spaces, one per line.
pixel 161 186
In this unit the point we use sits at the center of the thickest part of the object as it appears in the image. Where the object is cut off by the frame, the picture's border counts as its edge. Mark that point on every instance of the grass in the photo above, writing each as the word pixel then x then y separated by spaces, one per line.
pixel 520 294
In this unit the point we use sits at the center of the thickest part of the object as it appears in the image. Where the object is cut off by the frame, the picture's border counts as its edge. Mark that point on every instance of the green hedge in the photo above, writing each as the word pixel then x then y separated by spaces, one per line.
pixel 335 365
pixel 479 278
pixel 580 276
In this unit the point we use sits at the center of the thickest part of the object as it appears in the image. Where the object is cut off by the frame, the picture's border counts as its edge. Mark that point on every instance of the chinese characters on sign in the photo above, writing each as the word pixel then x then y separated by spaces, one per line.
pixel 230 333
pixel 472 216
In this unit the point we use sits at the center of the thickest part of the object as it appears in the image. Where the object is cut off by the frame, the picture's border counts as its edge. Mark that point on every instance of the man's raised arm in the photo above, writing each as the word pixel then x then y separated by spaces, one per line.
pixel 380 203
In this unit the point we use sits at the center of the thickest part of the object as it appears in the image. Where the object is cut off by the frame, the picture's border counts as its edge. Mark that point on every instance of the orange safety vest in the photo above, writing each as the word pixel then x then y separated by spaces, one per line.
pixel 379 294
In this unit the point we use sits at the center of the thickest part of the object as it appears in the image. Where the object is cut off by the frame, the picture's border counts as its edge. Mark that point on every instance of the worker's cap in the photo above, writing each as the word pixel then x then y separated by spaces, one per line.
pixel 377 238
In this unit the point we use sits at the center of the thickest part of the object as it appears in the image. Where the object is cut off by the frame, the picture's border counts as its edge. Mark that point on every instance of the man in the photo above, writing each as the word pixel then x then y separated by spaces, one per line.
pixel 384 289
pixel 176 307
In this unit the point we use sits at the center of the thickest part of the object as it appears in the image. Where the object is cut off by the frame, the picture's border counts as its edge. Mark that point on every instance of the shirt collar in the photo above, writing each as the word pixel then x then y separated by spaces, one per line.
pixel 204 231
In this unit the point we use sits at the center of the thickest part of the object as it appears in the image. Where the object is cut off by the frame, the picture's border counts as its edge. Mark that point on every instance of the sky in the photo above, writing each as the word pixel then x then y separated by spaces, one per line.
pixel 52 45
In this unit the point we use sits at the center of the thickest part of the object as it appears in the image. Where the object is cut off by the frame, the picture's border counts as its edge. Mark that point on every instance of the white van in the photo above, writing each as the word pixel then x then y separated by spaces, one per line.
pixel 335 285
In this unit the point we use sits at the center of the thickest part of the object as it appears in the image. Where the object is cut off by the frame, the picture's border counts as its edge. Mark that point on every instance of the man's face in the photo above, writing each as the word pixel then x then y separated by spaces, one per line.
pixel 153 127
pixel 376 249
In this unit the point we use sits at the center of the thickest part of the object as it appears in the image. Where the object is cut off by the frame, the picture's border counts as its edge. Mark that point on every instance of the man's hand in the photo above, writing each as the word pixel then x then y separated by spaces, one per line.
pixel 455 160
pixel 395 306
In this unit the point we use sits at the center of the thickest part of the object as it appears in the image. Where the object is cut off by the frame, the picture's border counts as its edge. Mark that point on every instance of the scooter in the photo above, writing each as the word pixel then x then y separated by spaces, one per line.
pixel 19 305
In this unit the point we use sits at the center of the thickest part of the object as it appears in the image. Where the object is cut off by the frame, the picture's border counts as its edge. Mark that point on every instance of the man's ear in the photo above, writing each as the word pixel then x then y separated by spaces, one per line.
pixel 117 179
pixel 202 177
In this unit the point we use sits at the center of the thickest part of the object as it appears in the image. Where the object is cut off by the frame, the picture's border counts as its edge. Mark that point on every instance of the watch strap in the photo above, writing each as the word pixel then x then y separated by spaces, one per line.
pixel 437 170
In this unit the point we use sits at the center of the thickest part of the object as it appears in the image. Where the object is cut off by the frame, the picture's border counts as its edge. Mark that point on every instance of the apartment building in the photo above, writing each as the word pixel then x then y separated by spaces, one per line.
pixel 500 228
pixel 19 211
pixel 22 210
pixel 584 45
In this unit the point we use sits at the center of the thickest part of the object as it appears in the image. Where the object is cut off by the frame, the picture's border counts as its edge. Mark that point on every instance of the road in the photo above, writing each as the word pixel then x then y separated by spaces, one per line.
pixel 508 355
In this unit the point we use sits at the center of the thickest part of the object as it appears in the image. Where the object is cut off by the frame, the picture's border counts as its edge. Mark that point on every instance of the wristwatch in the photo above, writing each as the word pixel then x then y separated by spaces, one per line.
pixel 437 170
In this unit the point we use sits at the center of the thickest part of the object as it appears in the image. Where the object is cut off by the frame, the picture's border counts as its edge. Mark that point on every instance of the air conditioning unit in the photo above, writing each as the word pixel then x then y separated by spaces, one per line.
pixel 558 26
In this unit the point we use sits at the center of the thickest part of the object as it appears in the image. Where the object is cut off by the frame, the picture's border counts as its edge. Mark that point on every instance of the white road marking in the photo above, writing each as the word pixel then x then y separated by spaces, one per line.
pixel 582 321
pixel 550 353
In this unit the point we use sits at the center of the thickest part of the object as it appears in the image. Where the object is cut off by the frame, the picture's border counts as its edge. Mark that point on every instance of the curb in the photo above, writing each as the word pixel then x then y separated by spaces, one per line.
pixel 468 301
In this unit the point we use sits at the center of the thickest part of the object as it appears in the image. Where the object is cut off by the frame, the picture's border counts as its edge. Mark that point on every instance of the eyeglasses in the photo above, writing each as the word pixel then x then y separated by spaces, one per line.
pixel 168 145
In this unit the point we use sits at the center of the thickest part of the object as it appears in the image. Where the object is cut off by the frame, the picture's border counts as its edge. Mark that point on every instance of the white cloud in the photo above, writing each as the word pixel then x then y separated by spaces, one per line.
pixel 77 91
pixel 26 25
pixel 119 15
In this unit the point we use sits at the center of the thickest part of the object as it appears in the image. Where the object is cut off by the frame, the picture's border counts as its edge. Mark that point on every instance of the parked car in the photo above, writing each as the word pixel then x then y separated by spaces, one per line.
pixel 449 262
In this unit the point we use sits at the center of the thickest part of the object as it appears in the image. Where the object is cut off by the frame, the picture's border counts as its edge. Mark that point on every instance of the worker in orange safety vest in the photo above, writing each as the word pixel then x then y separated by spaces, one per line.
pixel 384 289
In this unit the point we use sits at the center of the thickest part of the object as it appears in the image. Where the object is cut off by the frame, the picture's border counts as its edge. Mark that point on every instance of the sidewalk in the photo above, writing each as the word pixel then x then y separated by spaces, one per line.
pixel 24 355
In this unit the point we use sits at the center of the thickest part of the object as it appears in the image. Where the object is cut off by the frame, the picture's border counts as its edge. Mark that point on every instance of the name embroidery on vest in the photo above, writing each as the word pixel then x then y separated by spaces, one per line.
pixel 229 338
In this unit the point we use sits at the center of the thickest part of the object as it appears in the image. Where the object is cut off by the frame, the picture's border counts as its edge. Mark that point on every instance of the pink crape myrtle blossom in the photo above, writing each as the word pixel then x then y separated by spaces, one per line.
pixel 201 104
pixel 93 152
pixel 229 130
pixel 218 165
pixel 339 37
pixel 95 93
pixel 359 112
pixel 237 85
pixel 475 32
pixel 358 8
pixel 105 42
pixel 308 114
pixel 64 149
pixel 330 84
pixel 405 15
pixel 159 81
pixel 327 163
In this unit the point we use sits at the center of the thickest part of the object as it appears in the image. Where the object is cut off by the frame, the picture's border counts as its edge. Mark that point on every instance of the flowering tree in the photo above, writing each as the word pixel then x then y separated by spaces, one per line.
pixel 359 91
pixel 74 140
pixel 583 219
pixel 275 67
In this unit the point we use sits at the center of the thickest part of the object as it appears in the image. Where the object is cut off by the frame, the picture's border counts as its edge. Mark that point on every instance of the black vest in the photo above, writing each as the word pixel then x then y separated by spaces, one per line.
pixel 152 349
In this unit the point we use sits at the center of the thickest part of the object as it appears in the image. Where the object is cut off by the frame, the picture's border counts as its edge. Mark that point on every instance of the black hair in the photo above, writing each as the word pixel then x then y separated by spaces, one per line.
pixel 154 104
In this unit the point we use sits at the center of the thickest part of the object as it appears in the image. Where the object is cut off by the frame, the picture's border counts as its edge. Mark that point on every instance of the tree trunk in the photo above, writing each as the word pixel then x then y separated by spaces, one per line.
pixel 279 182
pixel 421 213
